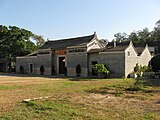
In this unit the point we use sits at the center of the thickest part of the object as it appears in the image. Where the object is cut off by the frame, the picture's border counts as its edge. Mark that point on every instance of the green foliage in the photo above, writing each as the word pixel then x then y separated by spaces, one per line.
pixel 158 24
pixel 155 62
pixel 5 87
pixel 138 85
pixel 120 37
pixel 142 36
pixel 139 69
pixel 39 39
pixel 149 116
pixel 100 68
pixel 15 41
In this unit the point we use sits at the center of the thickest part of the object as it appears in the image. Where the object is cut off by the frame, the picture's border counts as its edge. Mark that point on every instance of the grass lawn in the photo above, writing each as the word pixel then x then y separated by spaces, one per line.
pixel 110 99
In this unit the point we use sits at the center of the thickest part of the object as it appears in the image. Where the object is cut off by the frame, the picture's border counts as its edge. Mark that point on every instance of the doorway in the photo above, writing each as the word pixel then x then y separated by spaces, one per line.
pixel 31 68
pixel 62 68
pixel 94 73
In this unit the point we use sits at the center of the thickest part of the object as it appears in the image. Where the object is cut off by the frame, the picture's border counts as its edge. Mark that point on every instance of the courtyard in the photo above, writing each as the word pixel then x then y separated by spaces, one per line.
pixel 72 98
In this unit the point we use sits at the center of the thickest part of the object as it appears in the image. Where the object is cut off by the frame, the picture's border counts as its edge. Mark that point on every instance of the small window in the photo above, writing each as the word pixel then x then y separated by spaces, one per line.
pixel 128 53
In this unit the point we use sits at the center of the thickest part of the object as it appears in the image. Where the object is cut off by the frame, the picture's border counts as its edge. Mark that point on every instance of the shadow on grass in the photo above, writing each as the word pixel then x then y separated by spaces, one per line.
pixel 116 91
pixel 152 82
pixel 82 79
pixel 32 75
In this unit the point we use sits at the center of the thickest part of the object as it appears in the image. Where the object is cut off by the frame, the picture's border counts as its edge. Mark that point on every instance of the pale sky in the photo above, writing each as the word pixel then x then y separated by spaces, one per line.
pixel 56 19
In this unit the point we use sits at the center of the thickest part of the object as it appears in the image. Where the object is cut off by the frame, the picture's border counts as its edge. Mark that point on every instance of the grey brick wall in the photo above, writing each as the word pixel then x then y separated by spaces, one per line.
pixel 92 57
pixel 25 62
pixel 115 62
pixel 44 60
pixel 73 59
pixel 37 61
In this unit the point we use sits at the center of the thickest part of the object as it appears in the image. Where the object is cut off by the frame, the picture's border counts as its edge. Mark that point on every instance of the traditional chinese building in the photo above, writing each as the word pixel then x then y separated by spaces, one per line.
pixel 62 56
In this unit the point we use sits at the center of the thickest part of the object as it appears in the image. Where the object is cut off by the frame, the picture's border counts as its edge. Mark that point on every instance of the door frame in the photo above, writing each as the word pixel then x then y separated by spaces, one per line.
pixel 58 62
pixel 30 68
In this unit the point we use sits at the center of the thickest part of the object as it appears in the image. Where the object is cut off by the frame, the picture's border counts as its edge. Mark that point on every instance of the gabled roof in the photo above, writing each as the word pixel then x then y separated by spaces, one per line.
pixel 122 46
pixel 119 46
pixel 96 50
pixel 139 50
pixel 64 43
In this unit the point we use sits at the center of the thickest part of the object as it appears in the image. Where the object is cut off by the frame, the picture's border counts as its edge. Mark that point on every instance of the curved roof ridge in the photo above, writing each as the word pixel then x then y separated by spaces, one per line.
pixel 56 40
pixel 64 43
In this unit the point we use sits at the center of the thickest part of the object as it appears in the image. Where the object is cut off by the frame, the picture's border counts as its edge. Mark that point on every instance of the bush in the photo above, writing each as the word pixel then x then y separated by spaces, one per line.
pixel 139 69
pixel 138 86
pixel 78 70
pixel 100 69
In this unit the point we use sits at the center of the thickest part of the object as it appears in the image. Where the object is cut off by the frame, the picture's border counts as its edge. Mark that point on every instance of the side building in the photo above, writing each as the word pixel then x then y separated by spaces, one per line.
pixel 62 57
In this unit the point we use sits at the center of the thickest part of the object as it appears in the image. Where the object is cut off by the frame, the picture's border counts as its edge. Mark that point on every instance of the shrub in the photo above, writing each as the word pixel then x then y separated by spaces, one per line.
pixel 138 86
pixel 78 70
pixel 139 69
pixel 100 69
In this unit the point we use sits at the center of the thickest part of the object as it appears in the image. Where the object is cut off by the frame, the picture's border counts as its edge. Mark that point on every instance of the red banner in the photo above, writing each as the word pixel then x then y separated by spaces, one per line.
pixel 60 52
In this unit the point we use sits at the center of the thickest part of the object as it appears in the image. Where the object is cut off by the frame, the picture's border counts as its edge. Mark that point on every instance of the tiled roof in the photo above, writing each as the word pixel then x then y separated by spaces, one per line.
pixel 123 43
pixel 122 46
pixel 139 50
pixel 96 50
pixel 64 43
pixel 119 46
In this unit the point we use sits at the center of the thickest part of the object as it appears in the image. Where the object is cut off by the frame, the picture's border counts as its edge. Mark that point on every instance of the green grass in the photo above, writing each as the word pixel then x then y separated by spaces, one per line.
pixel 78 99
pixel 9 87
pixel 58 110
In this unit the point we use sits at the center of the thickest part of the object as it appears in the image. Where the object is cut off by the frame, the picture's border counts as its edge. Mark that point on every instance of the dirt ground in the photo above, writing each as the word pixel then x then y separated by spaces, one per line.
pixel 14 89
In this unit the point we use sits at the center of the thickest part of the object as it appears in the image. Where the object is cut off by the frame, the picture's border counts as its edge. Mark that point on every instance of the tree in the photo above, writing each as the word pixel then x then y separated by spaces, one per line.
pixel 143 35
pixel 15 41
pixel 39 40
pixel 155 34
pixel 133 37
pixel 100 69
pixel 119 37
pixel 155 62
pixel 158 23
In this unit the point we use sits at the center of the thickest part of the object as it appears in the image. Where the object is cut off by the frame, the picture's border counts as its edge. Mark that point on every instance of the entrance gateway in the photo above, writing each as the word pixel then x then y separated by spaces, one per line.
pixel 62 68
